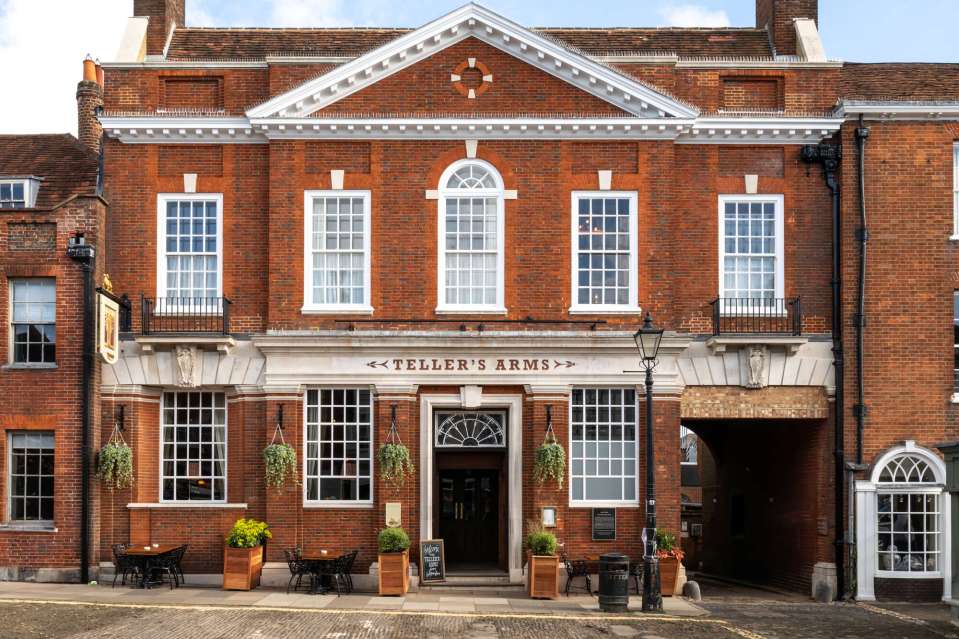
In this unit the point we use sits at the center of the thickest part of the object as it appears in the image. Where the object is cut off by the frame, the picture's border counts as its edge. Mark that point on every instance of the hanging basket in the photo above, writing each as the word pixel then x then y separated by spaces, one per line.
pixel 393 458
pixel 549 462
pixel 115 463
pixel 279 460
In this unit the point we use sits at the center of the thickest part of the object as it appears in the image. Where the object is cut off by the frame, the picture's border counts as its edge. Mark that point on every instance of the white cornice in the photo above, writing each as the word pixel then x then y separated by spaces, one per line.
pixel 240 130
pixel 473 20
pixel 188 64
pixel 901 111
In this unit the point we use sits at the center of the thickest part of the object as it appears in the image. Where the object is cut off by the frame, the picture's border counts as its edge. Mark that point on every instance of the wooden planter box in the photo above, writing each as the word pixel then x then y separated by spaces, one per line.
pixel 242 568
pixel 543 578
pixel 394 573
pixel 668 572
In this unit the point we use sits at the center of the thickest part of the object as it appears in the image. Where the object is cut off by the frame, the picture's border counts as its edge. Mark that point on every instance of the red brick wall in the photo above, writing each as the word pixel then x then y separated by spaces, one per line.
pixel 191 93
pixel 745 93
pixel 142 89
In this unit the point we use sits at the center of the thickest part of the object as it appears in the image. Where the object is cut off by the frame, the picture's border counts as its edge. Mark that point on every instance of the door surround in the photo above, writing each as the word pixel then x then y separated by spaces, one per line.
pixel 514 467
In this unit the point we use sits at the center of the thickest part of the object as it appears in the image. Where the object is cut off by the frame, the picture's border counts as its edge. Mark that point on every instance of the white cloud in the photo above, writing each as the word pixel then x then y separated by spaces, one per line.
pixel 42 46
pixel 691 15
pixel 308 13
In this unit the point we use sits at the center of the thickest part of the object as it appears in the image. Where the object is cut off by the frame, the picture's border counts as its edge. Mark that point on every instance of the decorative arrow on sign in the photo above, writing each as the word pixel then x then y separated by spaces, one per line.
pixel 566 364
pixel 374 364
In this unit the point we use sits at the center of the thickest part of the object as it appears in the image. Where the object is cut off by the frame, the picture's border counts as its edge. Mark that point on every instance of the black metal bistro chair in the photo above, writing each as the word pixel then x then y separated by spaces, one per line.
pixel 348 560
pixel 298 569
pixel 123 566
pixel 576 568
pixel 168 566
pixel 334 571
pixel 636 574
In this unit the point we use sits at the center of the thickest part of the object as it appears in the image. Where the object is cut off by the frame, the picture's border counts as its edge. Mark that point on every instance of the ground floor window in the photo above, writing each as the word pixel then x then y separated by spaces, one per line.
pixel 339 440
pixel 603 446
pixel 194 447
pixel 31 481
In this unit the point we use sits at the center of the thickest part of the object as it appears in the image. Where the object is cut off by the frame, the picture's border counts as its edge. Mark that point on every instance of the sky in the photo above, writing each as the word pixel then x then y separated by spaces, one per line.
pixel 43 42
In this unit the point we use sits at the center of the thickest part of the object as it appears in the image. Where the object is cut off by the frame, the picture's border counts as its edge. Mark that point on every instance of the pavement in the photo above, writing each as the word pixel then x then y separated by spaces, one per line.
pixel 60 611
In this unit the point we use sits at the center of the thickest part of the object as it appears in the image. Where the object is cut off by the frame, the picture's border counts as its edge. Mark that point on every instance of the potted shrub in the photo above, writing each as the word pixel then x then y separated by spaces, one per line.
pixel 115 465
pixel 669 558
pixel 394 560
pixel 280 461
pixel 542 564
pixel 243 555
pixel 395 464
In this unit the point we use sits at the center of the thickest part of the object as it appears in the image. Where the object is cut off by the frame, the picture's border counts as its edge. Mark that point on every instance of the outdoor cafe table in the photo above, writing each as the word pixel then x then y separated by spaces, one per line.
pixel 317 563
pixel 142 556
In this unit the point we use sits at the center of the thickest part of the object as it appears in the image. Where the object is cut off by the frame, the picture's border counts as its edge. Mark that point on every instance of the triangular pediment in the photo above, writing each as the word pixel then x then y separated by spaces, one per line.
pixel 475 21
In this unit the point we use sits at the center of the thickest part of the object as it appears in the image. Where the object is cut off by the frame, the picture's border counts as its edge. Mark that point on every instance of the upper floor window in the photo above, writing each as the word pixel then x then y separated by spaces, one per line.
pixel 339 442
pixel 604 251
pixel 30 476
pixel 603 430
pixel 189 259
pixel 337 251
pixel 34 320
pixel 13 194
pixel 750 251
pixel 193 447
pixel 955 191
pixel 471 230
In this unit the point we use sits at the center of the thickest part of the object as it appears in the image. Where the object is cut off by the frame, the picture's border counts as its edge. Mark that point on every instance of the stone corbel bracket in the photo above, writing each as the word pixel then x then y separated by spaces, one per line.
pixel 221 343
pixel 720 344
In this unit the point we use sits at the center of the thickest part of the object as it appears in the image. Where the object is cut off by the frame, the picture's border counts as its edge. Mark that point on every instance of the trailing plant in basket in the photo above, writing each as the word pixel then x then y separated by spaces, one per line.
pixel 280 462
pixel 248 533
pixel 550 463
pixel 115 465
pixel 392 540
pixel 395 464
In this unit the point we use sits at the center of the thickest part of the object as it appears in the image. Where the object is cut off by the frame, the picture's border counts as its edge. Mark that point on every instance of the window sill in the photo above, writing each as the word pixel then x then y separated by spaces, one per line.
pixel 29 367
pixel 184 504
pixel 954 237
pixel 31 528
pixel 333 504
pixel 892 574
pixel 465 310
pixel 336 310
pixel 604 504
pixel 604 310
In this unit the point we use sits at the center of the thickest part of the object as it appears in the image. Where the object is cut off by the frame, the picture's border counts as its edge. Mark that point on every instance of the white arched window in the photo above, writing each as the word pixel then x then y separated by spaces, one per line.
pixel 903 519
pixel 471 230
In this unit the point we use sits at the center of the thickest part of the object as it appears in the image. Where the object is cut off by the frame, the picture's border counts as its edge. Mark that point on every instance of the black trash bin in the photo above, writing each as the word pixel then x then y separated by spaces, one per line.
pixel 613 582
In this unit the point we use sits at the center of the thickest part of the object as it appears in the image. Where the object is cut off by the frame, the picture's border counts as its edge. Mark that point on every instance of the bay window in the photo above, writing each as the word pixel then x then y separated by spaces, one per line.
pixel 337 252
pixel 604 252
pixel 603 450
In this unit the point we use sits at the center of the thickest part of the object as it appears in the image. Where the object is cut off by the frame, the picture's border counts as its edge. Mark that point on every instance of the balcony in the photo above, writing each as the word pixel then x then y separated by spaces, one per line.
pixel 170 316
pixel 750 316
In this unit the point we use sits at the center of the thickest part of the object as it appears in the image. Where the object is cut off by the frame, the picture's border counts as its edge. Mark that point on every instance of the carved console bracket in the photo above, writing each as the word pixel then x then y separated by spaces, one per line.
pixel 723 343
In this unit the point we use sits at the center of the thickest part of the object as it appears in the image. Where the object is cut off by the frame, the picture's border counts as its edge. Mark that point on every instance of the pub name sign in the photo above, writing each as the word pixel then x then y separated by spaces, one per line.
pixel 472 365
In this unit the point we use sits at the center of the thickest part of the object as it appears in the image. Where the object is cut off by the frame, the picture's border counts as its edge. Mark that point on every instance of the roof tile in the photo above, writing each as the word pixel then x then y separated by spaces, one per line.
pixel 67 168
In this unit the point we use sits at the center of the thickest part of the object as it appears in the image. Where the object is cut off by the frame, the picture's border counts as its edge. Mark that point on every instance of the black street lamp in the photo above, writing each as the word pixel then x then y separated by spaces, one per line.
pixel 647 341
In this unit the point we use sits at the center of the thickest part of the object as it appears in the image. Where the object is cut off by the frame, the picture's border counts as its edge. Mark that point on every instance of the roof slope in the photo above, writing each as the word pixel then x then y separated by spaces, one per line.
pixel 900 82
pixel 256 44
pixel 67 167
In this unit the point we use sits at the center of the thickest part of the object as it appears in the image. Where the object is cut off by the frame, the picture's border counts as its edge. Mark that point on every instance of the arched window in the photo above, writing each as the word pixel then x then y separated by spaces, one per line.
pixel 471 229
pixel 908 514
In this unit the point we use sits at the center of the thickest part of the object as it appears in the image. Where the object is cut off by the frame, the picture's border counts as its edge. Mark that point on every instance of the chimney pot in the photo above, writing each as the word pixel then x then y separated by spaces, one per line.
pixel 89 69
pixel 99 73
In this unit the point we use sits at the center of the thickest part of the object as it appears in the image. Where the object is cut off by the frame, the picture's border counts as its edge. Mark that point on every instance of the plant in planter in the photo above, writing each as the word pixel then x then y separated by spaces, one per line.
pixel 395 464
pixel 243 555
pixel 670 557
pixel 394 561
pixel 115 464
pixel 280 461
pixel 543 564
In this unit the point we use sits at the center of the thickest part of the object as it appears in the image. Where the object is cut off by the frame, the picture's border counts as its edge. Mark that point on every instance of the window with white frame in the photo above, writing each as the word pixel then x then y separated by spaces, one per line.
pixel 471 238
pixel 908 512
pixel 13 194
pixel 34 320
pixel 750 251
pixel 688 445
pixel 955 191
pixel 193 446
pixel 604 251
pixel 339 441
pixel 337 243
pixel 31 478
pixel 603 446
pixel 189 260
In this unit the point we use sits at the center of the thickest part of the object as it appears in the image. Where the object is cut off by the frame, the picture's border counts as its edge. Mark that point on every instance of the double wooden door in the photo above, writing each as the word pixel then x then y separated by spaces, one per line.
pixel 471 503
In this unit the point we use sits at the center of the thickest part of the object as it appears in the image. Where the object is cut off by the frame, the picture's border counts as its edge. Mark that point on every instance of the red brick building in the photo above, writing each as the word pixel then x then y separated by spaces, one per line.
pixel 455 231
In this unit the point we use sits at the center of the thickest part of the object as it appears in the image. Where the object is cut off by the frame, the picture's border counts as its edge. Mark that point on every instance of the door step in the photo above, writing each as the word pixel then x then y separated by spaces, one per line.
pixel 466 581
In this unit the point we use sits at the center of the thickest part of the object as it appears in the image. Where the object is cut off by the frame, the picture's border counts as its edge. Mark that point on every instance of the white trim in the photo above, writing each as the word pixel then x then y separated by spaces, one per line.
pixel 779 201
pixel 309 307
pixel 899 111
pixel 161 252
pixel 499 307
pixel 40 525
pixel 185 504
pixel 31 188
pixel 473 20
pixel 514 442
pixel 606 309
pixel 760 130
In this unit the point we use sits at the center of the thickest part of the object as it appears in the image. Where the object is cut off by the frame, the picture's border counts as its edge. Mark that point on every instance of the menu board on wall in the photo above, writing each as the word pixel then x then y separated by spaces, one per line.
pixel 604 524
pixel 432 561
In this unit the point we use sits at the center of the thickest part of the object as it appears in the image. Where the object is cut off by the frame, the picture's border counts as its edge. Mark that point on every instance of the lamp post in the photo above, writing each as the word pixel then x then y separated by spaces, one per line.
pixel 647 340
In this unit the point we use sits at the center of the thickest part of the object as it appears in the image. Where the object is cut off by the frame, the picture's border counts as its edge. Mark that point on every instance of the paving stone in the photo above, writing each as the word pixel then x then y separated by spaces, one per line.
pixel 623 631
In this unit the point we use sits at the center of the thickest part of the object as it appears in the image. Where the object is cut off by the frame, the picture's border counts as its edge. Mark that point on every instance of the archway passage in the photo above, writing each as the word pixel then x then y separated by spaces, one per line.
pixel 766 500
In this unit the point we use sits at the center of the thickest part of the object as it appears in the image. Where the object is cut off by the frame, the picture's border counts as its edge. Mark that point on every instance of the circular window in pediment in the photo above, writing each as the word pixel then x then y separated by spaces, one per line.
pixel 471 78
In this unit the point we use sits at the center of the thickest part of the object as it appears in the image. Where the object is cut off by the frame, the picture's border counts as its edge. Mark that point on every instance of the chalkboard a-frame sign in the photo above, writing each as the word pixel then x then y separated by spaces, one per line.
pixel 432 561
pixel 604 524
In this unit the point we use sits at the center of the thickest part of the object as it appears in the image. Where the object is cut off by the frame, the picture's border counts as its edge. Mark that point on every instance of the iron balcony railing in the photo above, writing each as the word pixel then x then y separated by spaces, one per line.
pixel 778 316
pixel 177 315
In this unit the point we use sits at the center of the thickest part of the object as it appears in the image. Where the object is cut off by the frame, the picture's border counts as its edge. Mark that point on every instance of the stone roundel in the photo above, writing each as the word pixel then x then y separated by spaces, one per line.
pixel 471 92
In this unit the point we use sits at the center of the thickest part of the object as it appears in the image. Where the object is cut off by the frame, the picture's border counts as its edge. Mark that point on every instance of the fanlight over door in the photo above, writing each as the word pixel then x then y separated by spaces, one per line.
pixel 470 430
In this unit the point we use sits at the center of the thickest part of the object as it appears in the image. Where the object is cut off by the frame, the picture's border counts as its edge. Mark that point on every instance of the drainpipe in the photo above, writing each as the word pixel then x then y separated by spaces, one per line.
pixel 862 236
pixel 84 254
pixel 829 156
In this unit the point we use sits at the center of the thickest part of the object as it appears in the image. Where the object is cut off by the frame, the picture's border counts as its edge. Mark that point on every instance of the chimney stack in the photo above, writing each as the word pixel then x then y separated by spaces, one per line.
pixel 89 101
pixel 778 18
pixel 164 15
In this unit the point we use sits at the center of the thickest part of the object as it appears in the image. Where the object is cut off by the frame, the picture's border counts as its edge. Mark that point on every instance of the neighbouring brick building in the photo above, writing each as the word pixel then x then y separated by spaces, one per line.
pixel 452 233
